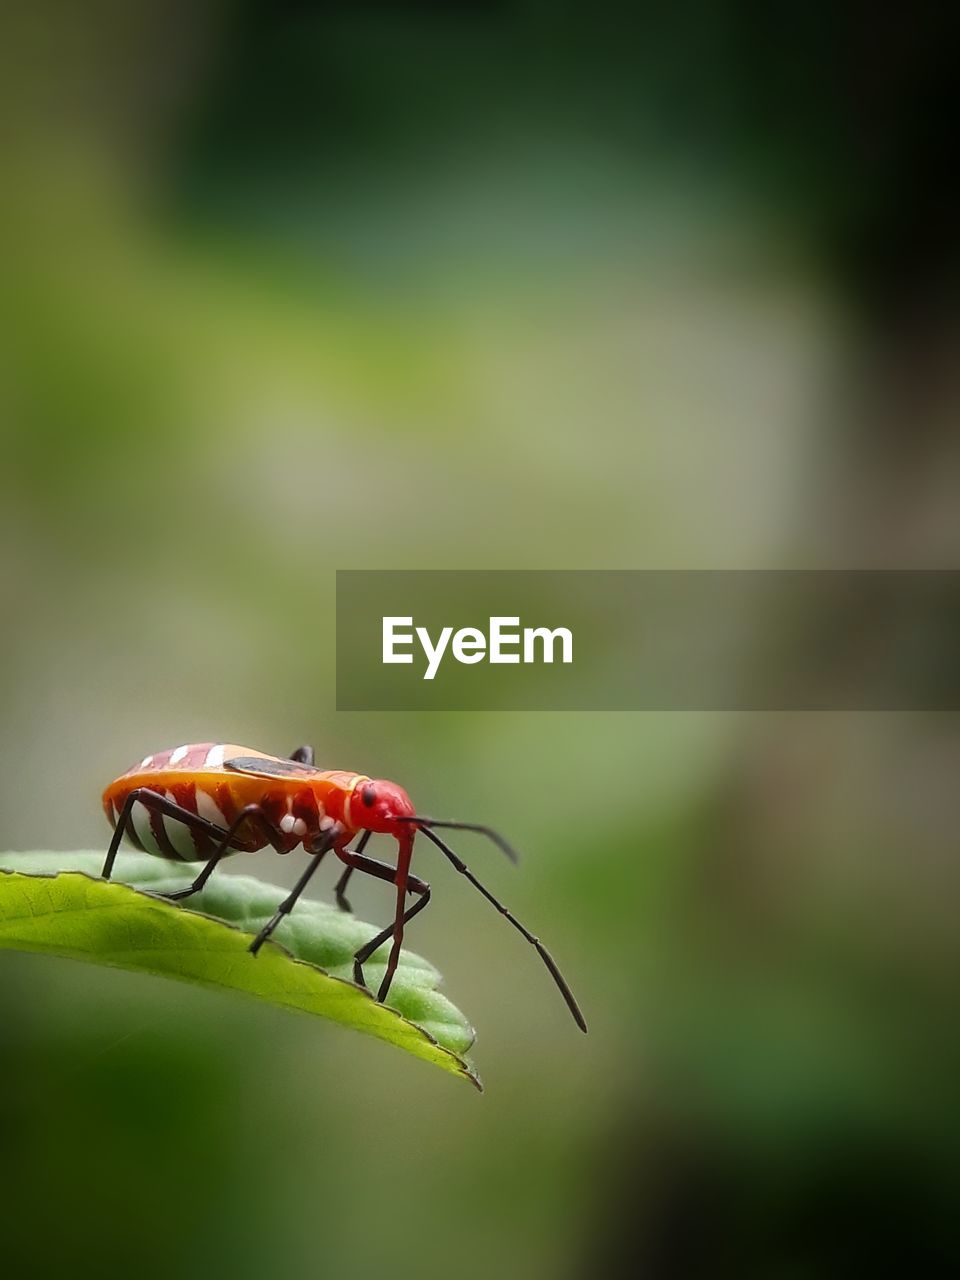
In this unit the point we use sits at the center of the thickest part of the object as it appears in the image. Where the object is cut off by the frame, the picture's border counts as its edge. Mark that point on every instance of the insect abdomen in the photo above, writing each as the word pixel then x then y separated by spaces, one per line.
pixel 198 779
pixel 163 835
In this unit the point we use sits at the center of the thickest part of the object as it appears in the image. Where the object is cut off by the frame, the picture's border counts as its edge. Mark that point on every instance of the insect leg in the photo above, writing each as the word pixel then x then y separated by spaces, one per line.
pixel 153 800
pixel 303 755
pixel 365 952
pixel 344 880
pixel 250 813
pixel 287 905
pixel 402 879
pixel 413 884
pixel 380 870
pixel 339 888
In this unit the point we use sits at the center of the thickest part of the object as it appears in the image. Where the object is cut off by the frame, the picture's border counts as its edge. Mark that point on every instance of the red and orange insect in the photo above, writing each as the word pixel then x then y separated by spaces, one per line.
pixel 204 802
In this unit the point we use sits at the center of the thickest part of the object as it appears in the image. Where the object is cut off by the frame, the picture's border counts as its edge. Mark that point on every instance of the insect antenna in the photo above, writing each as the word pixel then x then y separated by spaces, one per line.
pixel 545 955
pixel 503 845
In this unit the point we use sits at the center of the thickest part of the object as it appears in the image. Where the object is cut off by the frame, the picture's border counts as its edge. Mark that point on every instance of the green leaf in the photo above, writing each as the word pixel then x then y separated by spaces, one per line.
pixel 56 903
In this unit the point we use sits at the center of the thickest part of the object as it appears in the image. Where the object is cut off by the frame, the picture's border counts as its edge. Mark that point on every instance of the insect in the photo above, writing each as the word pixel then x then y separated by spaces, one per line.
pixel 203 802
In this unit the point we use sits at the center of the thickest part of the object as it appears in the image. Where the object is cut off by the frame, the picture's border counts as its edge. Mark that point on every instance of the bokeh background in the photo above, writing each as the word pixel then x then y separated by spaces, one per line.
pixel 292 288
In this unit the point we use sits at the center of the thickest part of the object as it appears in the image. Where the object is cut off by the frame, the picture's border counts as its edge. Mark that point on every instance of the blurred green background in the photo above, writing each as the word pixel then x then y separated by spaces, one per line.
pixel 293 288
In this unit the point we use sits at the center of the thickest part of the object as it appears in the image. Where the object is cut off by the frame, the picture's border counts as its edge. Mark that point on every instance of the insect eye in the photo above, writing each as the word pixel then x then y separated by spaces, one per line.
pixel 368 795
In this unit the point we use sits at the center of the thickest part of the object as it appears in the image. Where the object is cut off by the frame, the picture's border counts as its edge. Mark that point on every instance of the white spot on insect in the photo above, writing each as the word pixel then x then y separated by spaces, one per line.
pixel 179 835
pixel 290 825
pixel 326 824
pixel 207 808
pixel 146 762
pixel 214 757
pixel 178 755
pixel 140 817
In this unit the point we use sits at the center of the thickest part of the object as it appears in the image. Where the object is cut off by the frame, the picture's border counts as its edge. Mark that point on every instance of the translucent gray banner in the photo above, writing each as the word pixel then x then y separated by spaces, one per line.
pixel 719 640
